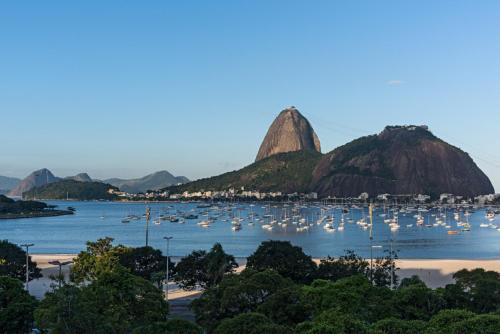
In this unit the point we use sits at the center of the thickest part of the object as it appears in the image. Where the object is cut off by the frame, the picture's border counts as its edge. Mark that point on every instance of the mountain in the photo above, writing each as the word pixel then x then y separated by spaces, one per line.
pixel 82 177
pixel 289 132
pixel 35 179
pixel 399 160
pixel 8 183
pixel 72 189
pixel 286 172
pixel 153 181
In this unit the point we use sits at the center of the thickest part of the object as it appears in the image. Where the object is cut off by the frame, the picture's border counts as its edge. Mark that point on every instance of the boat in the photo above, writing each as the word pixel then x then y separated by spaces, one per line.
pixel 452 232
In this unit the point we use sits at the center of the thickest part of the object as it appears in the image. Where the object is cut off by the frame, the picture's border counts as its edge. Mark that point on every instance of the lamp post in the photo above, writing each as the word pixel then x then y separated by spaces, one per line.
pixel 148 215
pixel 27 246
pixel 371 260
pixel 60 264
pixel 168 260
pixel 370 212
pixel 392 268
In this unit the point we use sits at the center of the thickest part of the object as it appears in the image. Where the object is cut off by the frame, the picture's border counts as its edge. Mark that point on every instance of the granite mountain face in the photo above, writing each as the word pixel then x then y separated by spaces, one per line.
pixel 399 160
pixel 36 179
pixel 289 132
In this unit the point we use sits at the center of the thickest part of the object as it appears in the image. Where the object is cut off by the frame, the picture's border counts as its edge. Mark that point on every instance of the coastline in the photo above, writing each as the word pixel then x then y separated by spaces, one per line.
pixel 48 213
pixel 434 272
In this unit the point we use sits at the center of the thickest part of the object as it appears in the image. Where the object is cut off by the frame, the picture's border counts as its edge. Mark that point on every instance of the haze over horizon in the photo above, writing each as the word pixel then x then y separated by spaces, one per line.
pixel 123 90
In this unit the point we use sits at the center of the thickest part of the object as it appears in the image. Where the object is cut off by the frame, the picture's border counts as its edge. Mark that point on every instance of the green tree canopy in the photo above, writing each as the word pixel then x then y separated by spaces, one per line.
pixel 146 262
pixel 250 323
pixel 115 302
pixel 236 294
pixel 346 265
pixel 417 302
pixel 350 295
pixel 171 326
pixel 204 269
pixel 13 262
pixel 286 259
pixel 16 307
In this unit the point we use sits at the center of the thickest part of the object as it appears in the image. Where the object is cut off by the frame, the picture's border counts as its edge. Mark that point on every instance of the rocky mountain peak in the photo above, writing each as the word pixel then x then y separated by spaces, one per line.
pixel 36 179
pixel 289 132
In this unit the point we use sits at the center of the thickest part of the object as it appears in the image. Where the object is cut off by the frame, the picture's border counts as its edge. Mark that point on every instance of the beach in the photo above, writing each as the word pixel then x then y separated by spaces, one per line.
pixel 434 272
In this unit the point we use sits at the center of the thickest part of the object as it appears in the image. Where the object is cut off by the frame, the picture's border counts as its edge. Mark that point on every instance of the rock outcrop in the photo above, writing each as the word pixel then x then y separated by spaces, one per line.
pixel 289 132
pixel 399 160
pixel 36 179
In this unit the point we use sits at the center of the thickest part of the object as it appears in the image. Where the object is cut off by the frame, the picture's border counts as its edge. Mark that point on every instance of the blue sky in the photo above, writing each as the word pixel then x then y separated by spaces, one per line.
pixel 126 88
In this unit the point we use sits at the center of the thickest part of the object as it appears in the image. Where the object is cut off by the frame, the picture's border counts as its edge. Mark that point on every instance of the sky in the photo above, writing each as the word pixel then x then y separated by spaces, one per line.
pixel 125 88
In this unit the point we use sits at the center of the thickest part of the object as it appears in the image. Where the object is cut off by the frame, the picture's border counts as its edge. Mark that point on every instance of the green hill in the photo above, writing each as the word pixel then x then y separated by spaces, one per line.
pixel 285 172
pixel 73 190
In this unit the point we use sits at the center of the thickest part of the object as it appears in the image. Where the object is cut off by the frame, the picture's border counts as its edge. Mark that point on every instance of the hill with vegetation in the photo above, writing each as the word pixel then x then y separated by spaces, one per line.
pixel 10 209
pixel 71 189
pixel 286 172
pixel 399 160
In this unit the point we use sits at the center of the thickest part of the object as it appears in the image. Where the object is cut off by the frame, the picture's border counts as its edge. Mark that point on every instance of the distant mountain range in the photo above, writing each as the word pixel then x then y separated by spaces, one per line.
pixel 153 181
pixel 8 183
pixel 42 177
pixel 399 160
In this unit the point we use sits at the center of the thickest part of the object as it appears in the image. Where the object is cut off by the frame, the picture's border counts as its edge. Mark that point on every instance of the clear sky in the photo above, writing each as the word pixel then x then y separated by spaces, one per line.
pixel 126 88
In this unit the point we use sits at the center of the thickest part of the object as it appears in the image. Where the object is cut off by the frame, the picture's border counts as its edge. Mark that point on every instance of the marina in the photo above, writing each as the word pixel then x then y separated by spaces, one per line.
pixel 321 229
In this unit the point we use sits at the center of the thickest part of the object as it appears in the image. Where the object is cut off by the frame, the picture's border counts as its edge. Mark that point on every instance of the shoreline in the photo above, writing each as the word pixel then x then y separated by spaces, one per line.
pixel 41 214
pixel 434 272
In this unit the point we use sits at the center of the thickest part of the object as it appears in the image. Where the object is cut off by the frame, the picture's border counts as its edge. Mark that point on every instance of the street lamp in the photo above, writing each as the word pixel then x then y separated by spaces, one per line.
pixel 27 246
pixel 148 215
pixel 168 260
pixel 60 264
pixel 371 260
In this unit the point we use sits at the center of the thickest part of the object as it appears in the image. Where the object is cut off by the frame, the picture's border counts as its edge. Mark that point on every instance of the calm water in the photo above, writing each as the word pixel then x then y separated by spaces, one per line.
pixel 93 220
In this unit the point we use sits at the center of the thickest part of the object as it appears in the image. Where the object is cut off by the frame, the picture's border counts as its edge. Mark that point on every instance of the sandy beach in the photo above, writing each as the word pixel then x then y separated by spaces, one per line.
pixel 434 272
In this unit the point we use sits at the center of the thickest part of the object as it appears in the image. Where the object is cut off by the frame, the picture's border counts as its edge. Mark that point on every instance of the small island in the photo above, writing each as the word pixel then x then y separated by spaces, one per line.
pixel 11 209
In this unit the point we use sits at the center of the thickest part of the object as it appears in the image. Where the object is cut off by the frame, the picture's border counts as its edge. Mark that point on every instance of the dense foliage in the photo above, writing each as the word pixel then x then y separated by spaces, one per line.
pixel 280 291
pixel 16 307
pixel 10 206
pixel 285 172
pixel 72 189
pixel 115 302
pixel 13 262
pixel 289 261
pixel 204 269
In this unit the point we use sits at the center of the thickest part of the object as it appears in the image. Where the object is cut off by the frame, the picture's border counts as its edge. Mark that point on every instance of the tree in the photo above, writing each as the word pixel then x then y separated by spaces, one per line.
pixel 13 262
pixel 16 307
pixel 146 262
pixel 346 265
pixel 480 324
pixel 250 323
pixel 417 302
pixel 285 307
pixel 100 257
pixel 350 295
pixel 409 281
pixel 171 326
pixel 281 256
pixel 204 269
pixel 237 294
pixel 446 318
pixel 383 269
pixel 398 326
pixel 334 322
pixel 115 302
pixel 480 288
